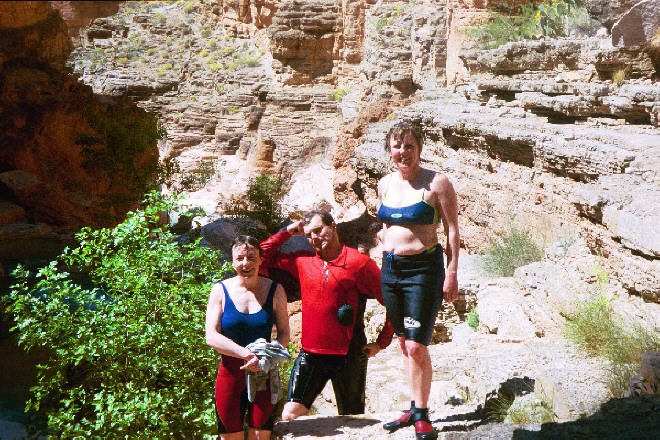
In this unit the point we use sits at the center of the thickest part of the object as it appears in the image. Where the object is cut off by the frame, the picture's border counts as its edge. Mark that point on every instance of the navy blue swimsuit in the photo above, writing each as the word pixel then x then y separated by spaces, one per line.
pixel 420 213
pixel 231 401
pixel 245 328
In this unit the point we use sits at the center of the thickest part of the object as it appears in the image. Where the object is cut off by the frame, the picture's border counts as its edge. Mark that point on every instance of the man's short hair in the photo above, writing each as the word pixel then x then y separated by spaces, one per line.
pixel 326 217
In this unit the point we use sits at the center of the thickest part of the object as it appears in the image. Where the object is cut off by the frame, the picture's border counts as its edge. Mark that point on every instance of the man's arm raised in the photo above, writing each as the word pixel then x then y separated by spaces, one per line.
pixel 273 258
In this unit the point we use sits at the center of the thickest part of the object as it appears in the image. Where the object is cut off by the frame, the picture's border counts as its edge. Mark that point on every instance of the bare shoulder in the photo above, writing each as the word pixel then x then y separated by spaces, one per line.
pixel 217 294
pixel 229 283
pixel 216 289
pixel 440 183
pixel 381 182
pixel 279 292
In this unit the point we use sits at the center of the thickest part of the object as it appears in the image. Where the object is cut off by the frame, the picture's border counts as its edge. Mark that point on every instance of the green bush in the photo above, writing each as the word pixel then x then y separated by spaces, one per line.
pixel 533 20
pixel 284 370
pixel 127 356
pixel 262 202
pixel 382 22
pixel 594 328
pixel 514 249
pixel 199 177
pixel 189 7
pixel 502 28
pixel 542 411
pixel 244 58
pixel 553 16
pixel 497 408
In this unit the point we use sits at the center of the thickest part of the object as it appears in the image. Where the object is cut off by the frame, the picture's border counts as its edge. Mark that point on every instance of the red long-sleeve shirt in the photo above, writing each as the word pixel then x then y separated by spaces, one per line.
pixel 326 287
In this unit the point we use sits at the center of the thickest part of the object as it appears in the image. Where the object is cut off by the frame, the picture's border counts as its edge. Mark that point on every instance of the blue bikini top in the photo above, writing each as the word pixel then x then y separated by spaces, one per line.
pixel 420 213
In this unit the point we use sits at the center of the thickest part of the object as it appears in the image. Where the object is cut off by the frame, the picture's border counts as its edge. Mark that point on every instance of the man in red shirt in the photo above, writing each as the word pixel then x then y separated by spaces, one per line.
pixel 335 282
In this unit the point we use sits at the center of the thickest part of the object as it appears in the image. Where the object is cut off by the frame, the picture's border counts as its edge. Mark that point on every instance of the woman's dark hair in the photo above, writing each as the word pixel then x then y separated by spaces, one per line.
pixel 326 217
pixel 402 128
pixel 246 240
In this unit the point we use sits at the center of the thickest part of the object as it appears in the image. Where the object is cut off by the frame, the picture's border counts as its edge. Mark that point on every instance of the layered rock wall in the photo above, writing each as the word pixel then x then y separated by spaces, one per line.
pixel 533 128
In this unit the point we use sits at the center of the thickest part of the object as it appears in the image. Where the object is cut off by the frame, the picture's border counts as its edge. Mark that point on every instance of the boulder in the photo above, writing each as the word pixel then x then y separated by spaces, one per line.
pixel 10 213
pixel 637 26
pixel 650 369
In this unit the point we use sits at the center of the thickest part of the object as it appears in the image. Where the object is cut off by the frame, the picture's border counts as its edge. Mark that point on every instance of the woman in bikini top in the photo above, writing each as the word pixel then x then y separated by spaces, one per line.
pixel 412 201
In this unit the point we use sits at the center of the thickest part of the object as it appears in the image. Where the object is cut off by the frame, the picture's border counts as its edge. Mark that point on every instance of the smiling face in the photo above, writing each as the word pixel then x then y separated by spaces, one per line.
pixel 322 237
pixel 405 151
pixel 246 260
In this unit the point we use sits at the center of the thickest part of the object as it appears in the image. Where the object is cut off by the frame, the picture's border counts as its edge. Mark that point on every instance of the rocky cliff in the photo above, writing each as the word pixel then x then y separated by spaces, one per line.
pixel 67 158
pixel 534 132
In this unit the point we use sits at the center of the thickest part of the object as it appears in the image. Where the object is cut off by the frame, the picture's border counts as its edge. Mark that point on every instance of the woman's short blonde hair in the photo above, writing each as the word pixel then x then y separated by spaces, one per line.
pixel 402 128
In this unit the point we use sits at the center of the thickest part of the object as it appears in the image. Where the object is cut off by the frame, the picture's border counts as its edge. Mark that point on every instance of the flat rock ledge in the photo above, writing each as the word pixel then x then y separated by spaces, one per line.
pixel 627 418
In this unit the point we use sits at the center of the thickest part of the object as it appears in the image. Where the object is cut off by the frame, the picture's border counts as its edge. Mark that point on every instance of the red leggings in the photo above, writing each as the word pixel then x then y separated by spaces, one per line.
pixel 231 402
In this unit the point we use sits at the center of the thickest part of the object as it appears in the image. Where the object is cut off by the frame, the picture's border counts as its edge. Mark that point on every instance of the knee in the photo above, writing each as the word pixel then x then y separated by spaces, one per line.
pixel 293 410
pixel 418 352
pixel 288 416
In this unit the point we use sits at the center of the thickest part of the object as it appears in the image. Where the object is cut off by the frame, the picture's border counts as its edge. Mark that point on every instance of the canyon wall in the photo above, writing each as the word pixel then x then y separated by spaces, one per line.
pixel 67 158
pixel 536 133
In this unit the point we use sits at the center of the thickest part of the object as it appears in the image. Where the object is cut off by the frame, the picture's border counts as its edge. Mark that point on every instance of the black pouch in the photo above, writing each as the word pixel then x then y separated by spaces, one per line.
pixel 346 315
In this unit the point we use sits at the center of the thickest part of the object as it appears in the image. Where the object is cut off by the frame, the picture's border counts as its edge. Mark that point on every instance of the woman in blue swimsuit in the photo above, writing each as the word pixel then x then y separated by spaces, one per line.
pixel 241 310
pixel 413 200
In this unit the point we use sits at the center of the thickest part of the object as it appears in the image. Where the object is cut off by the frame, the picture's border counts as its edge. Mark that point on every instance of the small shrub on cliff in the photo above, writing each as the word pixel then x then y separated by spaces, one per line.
pixel 595 328
pixel 127 357
pixel 502 28
pixel 619 76
pixel 262 202
pixel 382 22
pixel 244 58
pixel 339 94
pixel 513 249
pixel 196 179
pixel 189 7
pixel 533 20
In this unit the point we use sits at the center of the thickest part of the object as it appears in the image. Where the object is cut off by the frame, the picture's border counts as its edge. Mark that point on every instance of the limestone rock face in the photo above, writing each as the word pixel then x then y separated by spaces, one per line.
pixel 79 14
pixel 650 369
pixel 303 38
pixel 558 136
pixel 610 11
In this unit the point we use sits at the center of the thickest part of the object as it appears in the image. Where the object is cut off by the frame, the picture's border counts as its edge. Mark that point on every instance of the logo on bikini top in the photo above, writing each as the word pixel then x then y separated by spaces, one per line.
pixel 409 322
pixel 396 215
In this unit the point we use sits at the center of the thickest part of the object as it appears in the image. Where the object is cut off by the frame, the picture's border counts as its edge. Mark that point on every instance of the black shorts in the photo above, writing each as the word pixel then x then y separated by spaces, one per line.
pixel 348 374
pixel 412 292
